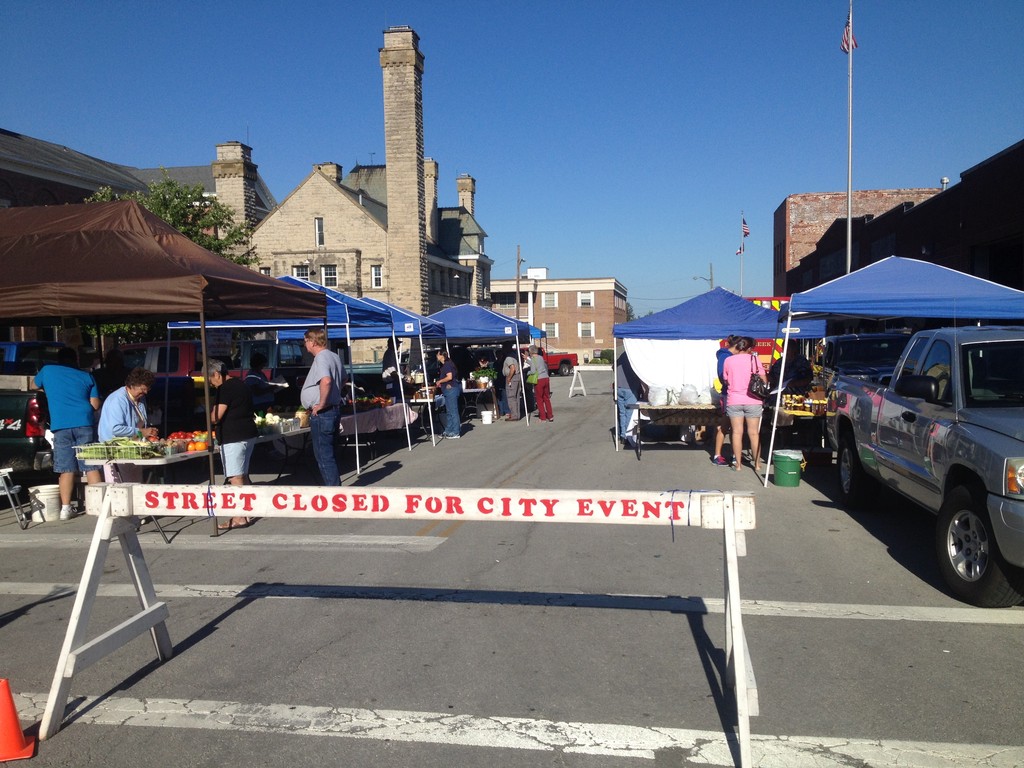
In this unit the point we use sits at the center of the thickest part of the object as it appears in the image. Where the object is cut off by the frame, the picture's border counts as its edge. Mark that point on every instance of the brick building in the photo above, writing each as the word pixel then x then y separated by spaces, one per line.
pixel 576 313
pixel 802 220
pixel 975 226
pixel 378 231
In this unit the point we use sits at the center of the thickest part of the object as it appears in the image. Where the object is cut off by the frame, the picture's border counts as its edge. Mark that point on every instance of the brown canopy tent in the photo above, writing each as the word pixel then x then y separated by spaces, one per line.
pixel 118 261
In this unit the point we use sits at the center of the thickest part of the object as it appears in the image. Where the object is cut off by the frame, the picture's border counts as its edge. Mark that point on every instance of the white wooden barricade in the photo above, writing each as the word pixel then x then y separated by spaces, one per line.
pixel 577 381
pixel 118 506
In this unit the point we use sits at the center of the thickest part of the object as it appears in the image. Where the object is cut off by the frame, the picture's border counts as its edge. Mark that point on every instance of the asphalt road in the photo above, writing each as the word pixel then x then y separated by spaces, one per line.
pixel 404 643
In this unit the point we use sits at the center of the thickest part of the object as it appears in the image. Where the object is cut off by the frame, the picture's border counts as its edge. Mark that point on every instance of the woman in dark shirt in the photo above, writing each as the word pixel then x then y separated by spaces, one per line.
pixel 232 416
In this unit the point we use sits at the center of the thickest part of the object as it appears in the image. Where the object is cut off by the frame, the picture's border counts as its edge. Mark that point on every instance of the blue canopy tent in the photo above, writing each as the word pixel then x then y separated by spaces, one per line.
pixel 897 287
pixel 712 315
pixel 473 324
pixel 346 317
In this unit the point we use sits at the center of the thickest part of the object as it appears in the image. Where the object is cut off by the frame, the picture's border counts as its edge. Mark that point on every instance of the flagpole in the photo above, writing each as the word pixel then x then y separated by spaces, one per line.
pixel 741 250
pixel 849 148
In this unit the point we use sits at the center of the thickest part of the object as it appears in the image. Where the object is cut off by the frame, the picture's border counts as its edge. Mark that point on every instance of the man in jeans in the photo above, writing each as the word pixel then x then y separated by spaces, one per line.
pixel 73 401
pixel 321 396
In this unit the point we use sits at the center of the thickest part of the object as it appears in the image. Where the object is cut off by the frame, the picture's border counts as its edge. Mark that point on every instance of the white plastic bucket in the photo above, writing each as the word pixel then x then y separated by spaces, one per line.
pixel 486 417
pixel 47 497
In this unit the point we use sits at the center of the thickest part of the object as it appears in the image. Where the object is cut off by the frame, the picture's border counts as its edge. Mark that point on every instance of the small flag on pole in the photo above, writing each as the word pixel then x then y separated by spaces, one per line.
pixel 849 41
pixel 746 229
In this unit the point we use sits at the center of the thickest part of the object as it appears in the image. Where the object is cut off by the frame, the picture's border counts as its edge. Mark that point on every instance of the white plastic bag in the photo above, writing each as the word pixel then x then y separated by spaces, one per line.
pixel 657 396
pixel 687 395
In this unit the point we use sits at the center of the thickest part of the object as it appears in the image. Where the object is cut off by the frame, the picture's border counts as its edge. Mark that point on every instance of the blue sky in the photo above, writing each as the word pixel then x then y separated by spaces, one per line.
pixel 608 139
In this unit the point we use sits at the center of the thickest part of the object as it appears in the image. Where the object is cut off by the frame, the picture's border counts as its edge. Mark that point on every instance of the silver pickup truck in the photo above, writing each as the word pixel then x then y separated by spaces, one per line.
pixel 948 433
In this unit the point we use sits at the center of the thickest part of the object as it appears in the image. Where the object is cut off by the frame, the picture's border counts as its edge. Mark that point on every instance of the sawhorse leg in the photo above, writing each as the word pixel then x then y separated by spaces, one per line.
pixel 77 653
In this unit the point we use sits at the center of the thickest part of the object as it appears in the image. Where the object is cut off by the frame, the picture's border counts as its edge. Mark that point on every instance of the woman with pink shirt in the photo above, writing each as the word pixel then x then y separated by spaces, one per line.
pixel 741 407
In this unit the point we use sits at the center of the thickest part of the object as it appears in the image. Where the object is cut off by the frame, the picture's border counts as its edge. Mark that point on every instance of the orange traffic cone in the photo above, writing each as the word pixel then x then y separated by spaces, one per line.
pixel 13 744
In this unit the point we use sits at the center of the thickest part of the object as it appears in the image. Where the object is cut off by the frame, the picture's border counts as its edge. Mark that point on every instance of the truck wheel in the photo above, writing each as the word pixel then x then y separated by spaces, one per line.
pixel 564 368
pixel 854 483
pixel 969 557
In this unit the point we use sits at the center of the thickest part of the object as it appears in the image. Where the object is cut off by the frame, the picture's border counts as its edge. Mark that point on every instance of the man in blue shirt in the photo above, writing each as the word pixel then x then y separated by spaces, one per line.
pixel 73 400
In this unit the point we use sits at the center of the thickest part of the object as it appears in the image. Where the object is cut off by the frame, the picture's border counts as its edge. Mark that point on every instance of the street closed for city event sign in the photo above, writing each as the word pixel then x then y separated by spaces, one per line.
pixel 468 504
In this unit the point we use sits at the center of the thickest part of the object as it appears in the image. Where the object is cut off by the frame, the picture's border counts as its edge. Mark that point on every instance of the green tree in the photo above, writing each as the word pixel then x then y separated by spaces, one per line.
pixel 630 314
pixel 203 220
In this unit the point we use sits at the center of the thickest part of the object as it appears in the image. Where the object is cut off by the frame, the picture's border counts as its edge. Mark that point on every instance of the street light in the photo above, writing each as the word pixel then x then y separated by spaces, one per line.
pixel 709 280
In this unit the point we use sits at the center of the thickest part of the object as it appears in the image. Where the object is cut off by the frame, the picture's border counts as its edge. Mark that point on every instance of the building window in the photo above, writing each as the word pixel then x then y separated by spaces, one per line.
pixel 329 276
pixel 549 300
pixel 301 271
pixel 585 298
pixel 318 231
pixel 265 271
pixel 551 329
pixel 586 330
pixel 376 276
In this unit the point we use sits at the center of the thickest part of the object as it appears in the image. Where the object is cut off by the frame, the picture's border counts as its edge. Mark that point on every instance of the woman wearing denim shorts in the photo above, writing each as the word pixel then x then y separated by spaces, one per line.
pixel 741 408
pixel 232 415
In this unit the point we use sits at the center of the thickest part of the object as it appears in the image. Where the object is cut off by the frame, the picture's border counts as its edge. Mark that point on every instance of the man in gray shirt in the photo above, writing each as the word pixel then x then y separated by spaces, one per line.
pixel 321 396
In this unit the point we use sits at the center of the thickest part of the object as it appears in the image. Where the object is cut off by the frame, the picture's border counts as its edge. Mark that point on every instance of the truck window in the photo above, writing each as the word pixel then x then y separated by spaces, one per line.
pixel 134 358
pixel 290 352
pixel 912 356
pixel 937 365
pixel 994 376
pixel 162 366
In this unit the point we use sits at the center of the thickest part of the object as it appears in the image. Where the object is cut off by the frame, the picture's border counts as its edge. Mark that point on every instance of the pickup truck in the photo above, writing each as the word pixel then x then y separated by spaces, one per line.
pixel 948 434
pixel 23 413
pixel 867 356
pixel 23 417
pixel 178 366
pixel 561 363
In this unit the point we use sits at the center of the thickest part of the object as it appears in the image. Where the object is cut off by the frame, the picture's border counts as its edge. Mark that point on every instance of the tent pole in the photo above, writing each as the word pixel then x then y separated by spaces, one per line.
pixel 427 389
pixel 401 386
pixel 352 389
pixel 522 376
pixel 206 404
pixel 615 389
pixel 778 395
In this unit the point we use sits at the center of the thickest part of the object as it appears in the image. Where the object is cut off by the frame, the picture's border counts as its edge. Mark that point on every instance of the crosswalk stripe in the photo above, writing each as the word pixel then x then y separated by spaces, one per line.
pixel 711 748
pixel 669 604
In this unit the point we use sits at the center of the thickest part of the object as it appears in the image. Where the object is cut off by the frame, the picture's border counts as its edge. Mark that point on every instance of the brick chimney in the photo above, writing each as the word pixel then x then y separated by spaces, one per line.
pixel 331 170
pixel 402 66
pixel 234 178
pixel 466 185
pixel 430 198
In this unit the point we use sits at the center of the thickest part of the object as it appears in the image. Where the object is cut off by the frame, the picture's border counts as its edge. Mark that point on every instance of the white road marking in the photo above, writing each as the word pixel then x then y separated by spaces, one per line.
pixel 690 605
pixel 407 544
pixel 694 747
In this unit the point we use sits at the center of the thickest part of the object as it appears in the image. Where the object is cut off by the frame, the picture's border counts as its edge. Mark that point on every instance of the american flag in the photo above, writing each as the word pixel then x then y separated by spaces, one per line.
pixel 746 229
pixel 849 41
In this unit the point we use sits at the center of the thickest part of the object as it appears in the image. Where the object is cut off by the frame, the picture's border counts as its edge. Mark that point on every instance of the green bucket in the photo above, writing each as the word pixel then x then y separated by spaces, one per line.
pixel 787 466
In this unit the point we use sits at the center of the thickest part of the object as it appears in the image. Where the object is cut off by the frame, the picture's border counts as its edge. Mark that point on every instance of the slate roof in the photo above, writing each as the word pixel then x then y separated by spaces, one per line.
pixel 455 225
pixel 37 157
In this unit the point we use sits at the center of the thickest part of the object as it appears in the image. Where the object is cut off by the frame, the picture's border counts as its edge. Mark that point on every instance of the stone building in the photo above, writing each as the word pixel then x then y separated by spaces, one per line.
pixel 576 313
pixel 378 231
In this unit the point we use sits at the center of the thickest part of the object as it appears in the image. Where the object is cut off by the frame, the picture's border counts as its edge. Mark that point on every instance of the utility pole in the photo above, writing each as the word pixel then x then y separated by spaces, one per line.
pixel 519 263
